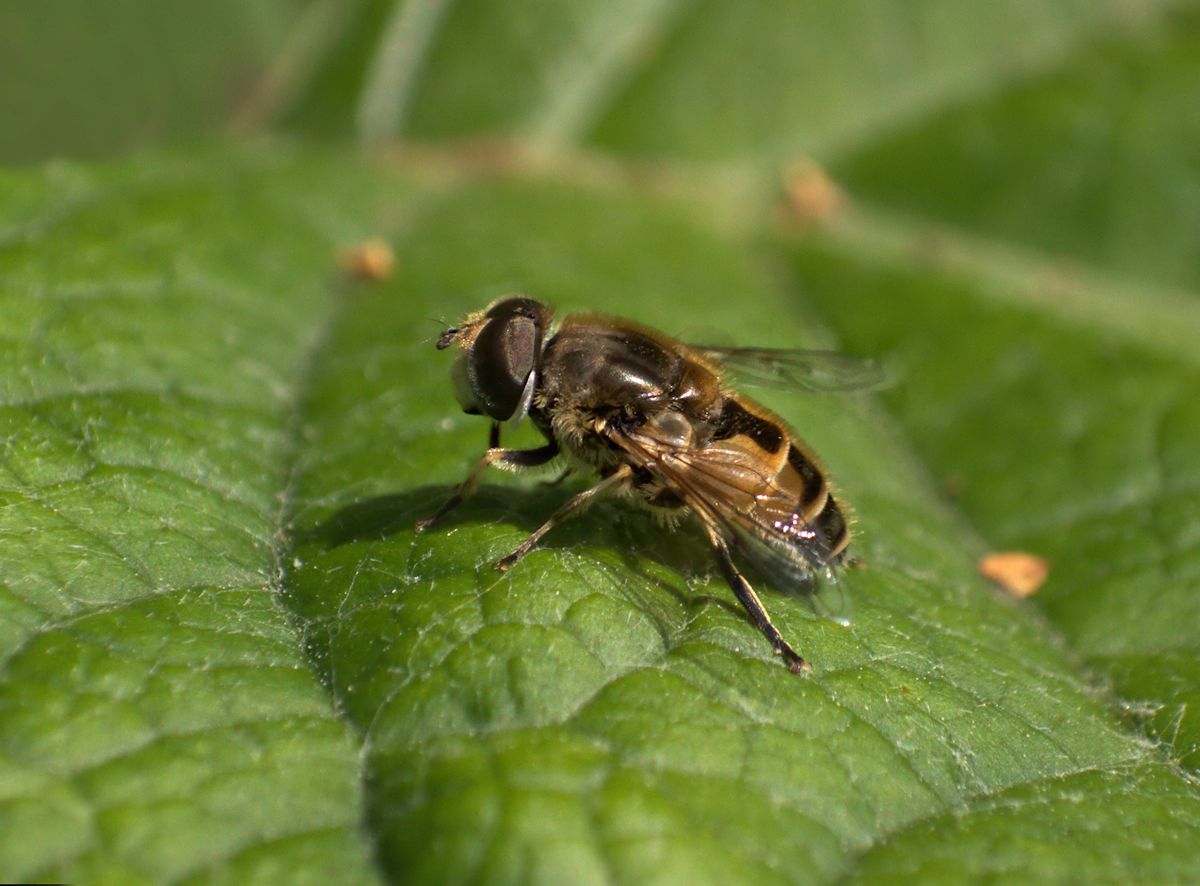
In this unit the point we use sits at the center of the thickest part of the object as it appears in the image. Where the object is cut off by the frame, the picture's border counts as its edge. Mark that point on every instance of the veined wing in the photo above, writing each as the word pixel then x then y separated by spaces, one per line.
pixel 764 521
pixel 796 368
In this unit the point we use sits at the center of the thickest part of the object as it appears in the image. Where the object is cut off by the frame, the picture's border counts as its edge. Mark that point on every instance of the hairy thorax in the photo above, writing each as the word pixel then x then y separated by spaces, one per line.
pixel 596 376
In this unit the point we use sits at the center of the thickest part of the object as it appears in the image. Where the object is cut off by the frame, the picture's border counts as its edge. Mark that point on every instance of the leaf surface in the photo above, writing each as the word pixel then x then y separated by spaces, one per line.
pixel 158 719
pixel 590 712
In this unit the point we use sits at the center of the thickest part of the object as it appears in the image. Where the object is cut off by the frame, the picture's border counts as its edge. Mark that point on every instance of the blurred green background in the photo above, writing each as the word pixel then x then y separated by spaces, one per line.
pixel 225 658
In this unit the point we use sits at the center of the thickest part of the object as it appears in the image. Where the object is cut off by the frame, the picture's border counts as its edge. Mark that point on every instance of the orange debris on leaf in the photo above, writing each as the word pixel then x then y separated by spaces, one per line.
pixel 1019 573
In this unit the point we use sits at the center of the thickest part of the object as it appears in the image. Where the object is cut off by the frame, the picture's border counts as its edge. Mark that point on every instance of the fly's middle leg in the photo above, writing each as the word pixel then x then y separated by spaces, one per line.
pixel 575 505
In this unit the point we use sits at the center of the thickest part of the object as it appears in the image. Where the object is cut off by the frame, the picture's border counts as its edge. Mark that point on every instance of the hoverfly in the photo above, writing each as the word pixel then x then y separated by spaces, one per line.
pixel 655 419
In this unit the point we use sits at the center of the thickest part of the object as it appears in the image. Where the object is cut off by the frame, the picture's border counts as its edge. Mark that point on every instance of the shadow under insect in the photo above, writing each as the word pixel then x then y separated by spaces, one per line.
pixel 614 525
pixel 619 527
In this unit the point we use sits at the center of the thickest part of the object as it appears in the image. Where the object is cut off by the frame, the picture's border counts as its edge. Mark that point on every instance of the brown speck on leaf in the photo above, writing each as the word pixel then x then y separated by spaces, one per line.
pixel 1017 572
pixel 811 195
pixel 369 261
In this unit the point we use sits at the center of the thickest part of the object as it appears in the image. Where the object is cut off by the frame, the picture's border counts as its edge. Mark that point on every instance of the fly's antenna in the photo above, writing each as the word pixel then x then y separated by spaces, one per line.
pixel 446 330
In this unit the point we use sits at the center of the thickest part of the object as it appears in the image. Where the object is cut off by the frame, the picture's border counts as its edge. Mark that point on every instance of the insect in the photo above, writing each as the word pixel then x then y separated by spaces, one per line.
pixel 655 418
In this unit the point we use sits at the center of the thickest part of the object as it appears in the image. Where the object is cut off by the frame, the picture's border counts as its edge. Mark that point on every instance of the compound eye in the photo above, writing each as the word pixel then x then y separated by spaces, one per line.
pixel 502 357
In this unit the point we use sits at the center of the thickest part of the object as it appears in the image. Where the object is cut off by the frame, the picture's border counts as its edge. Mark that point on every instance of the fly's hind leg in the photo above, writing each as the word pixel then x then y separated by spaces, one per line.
pixel 746 596
pixel 575 505
pixel 507 459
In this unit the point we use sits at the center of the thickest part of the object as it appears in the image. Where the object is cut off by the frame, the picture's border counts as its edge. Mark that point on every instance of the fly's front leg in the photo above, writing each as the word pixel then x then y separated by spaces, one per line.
pixel 575 505
pixel 507 459
pixel 746 596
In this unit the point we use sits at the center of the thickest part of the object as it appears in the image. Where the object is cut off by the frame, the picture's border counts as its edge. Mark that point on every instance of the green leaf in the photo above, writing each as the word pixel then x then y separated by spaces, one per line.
pixel 86 79
pixel 1101 399
pixel 585 715
pixel 224 654
pixel 684 79
pixel 1093 371
pixel 771 80
pixel 1105 137
pixel 589 713
pixel 158 720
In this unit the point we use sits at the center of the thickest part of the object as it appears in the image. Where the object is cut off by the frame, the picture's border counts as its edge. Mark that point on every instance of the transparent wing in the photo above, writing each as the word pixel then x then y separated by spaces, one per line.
pixel 750 509
pixel 797 368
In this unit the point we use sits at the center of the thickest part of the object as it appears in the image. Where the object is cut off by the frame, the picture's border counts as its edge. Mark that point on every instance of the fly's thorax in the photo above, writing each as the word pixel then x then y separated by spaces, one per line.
pixel 698 391
pixel 579 432
pixel 614 367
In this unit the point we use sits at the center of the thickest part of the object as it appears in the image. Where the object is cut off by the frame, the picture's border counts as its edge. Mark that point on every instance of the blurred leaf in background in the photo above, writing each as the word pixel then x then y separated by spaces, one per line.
pixel 225 656
pixel 82 79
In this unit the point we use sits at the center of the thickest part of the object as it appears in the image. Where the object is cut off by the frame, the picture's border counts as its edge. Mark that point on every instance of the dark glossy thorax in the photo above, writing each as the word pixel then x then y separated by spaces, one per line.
pixel 602 365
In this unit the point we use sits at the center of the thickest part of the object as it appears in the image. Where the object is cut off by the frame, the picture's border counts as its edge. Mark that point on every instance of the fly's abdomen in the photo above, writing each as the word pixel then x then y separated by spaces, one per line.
pixel 779 488
pixel 816 505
